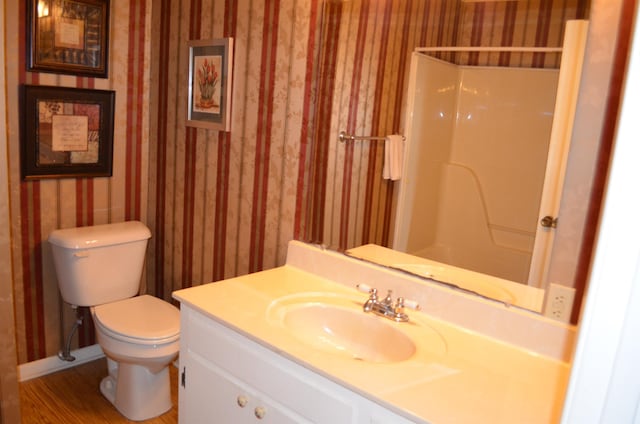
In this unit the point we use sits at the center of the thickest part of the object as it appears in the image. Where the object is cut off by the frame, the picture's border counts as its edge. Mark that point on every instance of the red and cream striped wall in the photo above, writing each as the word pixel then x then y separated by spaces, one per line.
pixel 226 204
pixel 38 207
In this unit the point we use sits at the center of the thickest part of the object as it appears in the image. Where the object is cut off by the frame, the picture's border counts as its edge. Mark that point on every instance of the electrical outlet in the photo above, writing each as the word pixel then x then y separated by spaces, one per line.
pixel 559 302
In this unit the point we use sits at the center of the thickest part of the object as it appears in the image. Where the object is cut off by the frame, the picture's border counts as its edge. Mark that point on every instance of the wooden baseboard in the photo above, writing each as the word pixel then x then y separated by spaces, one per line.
pixel 52 364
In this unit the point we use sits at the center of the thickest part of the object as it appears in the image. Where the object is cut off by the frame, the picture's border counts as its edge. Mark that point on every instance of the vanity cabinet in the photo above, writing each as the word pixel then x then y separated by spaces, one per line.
pixel 226 377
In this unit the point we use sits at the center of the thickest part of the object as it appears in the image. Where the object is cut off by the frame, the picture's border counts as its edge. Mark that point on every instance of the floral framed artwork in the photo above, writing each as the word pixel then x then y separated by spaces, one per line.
pixel 68 132
pixel 68 37
pixel 210 76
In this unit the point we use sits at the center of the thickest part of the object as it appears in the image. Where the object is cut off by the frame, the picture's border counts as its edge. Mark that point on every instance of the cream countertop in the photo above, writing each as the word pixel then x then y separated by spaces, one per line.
pixel 474 378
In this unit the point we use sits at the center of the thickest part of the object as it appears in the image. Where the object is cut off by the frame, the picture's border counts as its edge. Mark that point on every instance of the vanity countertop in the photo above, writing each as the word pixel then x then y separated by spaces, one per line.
pixel 475 379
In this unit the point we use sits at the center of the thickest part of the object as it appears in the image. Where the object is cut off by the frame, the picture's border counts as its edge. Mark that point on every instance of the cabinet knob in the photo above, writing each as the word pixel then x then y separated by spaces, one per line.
pixel 242 401
pixel 260 412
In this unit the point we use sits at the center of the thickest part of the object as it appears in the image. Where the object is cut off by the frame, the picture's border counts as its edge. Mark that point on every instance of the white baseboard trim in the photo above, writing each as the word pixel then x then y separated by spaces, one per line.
pixel 52 364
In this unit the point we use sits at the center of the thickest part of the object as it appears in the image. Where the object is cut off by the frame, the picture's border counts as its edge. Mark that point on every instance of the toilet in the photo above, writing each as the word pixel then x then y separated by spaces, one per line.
pixel 100 267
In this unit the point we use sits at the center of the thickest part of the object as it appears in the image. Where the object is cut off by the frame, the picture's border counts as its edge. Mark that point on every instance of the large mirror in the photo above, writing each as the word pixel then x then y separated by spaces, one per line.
pixel 484 161
pixel 366 49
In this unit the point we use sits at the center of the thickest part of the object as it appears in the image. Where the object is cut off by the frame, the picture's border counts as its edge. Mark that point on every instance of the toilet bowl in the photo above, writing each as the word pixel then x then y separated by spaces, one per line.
pixel 140 337
pixel 100 267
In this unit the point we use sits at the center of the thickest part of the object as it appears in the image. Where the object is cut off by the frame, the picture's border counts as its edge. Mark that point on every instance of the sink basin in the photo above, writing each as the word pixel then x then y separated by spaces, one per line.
pixel 336 324
pixel 348 332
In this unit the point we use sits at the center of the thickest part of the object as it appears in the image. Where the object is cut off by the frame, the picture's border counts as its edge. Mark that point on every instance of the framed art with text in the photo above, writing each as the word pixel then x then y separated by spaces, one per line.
pixel 68 37
pixel 68 132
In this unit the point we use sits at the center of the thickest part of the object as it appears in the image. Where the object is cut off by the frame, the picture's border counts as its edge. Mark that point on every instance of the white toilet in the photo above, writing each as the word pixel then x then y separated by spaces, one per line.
pixel 100 267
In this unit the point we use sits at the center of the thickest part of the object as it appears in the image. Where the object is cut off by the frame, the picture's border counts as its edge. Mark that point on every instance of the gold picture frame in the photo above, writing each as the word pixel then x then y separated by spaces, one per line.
pixel 68 37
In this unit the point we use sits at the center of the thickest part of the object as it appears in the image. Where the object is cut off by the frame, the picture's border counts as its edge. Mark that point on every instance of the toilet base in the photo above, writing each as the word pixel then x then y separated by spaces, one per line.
pixel 135 391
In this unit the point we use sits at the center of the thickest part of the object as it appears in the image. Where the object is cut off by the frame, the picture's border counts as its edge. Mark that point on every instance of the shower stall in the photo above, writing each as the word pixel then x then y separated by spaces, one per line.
pixel 484 146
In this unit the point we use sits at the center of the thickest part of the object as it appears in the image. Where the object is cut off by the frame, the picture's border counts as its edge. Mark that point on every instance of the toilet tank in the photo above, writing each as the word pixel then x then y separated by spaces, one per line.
pixel 99 264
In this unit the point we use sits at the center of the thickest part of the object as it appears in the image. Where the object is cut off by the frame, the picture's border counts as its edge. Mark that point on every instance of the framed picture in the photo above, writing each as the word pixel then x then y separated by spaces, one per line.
pixel 68 132
pixel 210 77
pixel 68 37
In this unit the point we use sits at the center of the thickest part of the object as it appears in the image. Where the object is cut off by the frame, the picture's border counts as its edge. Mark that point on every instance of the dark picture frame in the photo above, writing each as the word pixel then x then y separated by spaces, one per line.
pixel 68 37
pixel 68 132
pixel 210 78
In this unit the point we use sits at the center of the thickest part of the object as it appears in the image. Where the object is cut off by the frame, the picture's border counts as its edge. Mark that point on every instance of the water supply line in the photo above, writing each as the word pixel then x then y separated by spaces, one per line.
pixel 65 354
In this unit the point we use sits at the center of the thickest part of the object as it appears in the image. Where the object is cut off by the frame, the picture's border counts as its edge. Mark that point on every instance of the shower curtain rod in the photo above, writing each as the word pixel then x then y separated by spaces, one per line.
pixel 489 49
pixel 343 136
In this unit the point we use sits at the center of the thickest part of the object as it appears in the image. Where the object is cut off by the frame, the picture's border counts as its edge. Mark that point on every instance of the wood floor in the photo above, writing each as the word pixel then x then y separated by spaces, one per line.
pixel 73 396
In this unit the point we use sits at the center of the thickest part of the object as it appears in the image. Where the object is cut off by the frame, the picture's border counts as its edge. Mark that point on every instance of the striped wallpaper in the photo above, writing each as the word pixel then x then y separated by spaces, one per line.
pixel 38 207
pixel 226 204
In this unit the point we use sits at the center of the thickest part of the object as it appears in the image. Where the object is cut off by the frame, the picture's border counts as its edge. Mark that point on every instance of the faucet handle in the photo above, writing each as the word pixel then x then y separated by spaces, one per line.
pixel 398 311
pixel 371 291
pixel 364 288
pixel 373 296
pixel 411 304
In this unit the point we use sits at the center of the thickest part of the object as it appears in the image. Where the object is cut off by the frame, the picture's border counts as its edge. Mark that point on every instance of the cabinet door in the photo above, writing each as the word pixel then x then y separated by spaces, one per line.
pixel 249 364
pixel 212 395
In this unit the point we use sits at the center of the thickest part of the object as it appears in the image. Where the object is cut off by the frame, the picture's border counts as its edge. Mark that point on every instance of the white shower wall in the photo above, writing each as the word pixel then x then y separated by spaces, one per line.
pixel 477 156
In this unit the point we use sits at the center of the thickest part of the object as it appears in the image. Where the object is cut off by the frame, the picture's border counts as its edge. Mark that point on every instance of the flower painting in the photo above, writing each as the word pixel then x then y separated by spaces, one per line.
pixel 206 90
pixel 210 84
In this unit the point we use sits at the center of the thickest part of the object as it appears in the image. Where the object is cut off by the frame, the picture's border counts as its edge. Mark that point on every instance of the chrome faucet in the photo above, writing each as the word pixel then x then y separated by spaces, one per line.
pixel 387 307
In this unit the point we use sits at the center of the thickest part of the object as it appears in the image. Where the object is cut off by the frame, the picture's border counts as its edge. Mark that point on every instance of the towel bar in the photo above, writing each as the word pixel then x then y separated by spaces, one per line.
pixel 343 136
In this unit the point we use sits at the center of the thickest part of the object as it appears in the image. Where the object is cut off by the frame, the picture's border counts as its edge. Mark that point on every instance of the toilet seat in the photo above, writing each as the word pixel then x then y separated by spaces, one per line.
pixel 144 320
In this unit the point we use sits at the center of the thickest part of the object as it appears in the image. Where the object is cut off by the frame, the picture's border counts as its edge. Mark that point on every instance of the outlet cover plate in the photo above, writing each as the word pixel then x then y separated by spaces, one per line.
pixel 559 302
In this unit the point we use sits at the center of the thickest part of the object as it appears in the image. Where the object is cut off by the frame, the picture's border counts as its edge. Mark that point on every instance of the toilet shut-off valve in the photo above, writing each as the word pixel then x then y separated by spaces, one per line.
pixel 387 307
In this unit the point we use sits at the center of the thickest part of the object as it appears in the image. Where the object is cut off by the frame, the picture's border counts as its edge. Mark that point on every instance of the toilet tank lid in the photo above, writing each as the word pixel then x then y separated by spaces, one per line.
pixel 100 235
